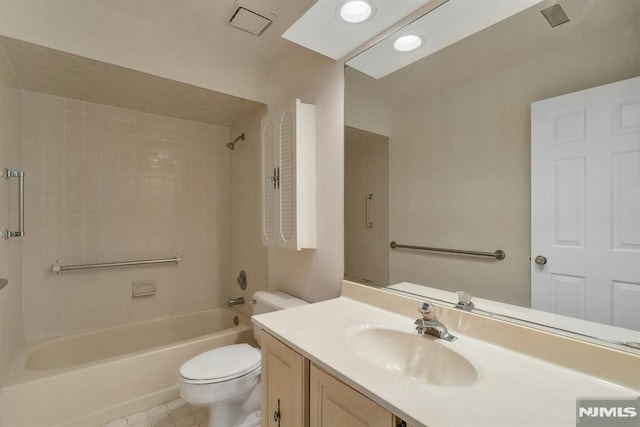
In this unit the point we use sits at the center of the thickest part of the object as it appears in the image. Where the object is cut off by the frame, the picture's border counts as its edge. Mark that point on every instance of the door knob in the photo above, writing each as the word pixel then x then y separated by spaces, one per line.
pixel 541 260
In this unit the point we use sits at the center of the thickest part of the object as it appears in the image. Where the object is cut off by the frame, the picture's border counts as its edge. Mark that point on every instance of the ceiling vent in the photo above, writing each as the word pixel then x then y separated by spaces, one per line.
pixel 555 15
pixel 249 19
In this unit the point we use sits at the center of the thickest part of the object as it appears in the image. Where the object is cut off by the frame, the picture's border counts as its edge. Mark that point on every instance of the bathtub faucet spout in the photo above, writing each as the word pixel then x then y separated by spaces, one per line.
pixel 235 301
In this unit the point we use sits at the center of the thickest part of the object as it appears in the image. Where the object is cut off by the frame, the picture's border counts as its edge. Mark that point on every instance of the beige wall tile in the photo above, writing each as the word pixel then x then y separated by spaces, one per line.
pixel 118 185
pixel 11 321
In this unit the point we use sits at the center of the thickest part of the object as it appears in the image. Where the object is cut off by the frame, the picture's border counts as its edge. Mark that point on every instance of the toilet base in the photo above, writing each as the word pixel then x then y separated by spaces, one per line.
pixel 252 420
pixel 219 419
pixel 232 414
pixel 240 411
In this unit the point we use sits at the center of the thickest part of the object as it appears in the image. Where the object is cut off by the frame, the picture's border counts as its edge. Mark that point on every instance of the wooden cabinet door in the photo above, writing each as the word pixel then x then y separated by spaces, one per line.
pixel 285 385
pixel 335 404
pixel 288 139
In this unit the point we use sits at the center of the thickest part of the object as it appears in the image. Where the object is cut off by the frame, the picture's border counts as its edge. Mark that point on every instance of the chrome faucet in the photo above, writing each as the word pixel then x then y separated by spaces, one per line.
pixel 235 301
pixel 429 324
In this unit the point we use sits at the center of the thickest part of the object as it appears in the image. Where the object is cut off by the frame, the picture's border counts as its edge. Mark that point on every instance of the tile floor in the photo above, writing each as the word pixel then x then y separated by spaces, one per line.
pixel 176 413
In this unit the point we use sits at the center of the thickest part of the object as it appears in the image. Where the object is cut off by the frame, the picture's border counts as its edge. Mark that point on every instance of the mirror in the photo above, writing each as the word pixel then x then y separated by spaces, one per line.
pixel 438 154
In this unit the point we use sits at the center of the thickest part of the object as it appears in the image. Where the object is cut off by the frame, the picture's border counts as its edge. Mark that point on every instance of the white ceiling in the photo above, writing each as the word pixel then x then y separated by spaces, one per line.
pixel 184 40
pixel 198 20
pixel 320 30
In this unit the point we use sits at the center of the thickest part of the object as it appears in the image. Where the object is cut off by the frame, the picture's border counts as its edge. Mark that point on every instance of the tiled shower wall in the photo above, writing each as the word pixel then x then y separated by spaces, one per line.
pixel 107 184
pixel 11 331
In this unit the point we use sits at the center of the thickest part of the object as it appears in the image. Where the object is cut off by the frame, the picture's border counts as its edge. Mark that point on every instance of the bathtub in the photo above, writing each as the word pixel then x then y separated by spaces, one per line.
pixel 91 378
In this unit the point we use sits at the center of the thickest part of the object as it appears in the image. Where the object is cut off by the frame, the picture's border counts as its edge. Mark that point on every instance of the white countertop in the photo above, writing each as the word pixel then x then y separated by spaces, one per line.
pixel 512 389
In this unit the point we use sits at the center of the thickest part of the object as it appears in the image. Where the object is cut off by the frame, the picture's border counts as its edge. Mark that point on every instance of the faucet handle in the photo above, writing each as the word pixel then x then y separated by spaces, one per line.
pixel 426 309
pixel 464 301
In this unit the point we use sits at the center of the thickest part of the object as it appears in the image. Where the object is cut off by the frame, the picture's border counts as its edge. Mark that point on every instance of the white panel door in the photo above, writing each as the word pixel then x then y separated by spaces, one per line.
pixel 585 204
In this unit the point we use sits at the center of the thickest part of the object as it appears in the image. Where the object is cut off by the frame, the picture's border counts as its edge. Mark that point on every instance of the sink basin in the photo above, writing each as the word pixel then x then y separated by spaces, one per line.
pixel 421 358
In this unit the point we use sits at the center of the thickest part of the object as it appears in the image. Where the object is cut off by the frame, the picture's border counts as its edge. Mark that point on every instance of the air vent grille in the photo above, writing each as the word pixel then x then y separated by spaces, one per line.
pixel 251 21
pixel 555 15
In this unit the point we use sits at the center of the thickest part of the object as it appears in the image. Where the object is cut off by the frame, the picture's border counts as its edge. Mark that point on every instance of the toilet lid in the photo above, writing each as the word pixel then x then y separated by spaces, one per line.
pixel 222 363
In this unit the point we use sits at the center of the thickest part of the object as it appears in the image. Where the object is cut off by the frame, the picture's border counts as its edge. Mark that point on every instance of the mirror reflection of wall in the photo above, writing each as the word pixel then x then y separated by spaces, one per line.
pixel 459 137
pixel 366 206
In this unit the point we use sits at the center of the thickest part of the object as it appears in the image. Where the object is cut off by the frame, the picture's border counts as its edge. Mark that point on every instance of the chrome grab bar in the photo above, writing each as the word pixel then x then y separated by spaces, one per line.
pixel 499 254
pixel 57 268
pixel 368 211
pixel 20 175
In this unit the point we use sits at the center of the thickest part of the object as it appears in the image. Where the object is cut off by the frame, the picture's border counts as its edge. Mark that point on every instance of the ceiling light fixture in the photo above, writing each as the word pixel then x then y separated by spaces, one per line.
pixel 408 43
pixel 355 11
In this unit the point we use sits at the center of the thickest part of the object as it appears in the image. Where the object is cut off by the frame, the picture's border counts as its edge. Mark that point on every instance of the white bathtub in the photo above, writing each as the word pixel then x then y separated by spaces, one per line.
pixel 87 379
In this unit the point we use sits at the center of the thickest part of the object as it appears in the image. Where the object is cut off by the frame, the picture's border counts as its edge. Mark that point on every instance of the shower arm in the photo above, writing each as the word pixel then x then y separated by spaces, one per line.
pixel 231 145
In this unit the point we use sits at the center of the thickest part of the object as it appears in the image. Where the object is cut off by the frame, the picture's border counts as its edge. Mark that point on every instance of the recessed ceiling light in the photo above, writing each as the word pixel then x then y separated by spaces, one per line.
pixel 408 42
pixel 355 11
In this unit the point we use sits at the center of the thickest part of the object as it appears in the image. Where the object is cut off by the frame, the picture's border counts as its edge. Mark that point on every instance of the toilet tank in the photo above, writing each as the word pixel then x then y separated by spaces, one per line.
pixel 267 302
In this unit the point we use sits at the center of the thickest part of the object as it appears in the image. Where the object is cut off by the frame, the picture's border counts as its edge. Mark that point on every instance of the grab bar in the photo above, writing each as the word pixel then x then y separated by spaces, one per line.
pixel 57 268
pixel 368 211
pixel 20 175
pixel 499 254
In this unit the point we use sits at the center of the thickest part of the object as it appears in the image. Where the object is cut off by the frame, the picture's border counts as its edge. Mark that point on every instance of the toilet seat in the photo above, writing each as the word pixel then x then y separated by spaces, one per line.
pixel 221 364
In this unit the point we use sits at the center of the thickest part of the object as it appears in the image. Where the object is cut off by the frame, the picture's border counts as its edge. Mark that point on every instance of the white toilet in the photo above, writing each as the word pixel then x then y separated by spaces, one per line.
pixel 227 379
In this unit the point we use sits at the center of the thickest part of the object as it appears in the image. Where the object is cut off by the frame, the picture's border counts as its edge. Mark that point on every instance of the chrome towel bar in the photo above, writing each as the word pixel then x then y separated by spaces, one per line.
pixel 499 254
pixel 20 175
pixel 57 268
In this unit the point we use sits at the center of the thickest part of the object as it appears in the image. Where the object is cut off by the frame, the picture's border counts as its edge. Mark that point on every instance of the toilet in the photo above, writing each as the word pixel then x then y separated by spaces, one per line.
pixel 227 379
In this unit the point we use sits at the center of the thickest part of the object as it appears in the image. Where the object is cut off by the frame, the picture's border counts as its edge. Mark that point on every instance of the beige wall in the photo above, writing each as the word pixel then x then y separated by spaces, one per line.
pixel 315 275
pixel 460 156
pixel 11 325
pixel 107 184
pixel 245 246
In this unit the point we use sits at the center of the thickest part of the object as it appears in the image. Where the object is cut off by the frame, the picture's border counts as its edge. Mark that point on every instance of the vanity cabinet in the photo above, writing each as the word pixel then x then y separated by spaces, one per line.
pixel 296 393
pixel 333 403
pixel 288 141
pixel 285 385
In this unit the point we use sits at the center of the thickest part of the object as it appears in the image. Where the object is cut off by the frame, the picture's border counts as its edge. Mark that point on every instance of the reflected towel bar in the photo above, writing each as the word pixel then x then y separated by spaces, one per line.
pixel 57 268
pixel 499 254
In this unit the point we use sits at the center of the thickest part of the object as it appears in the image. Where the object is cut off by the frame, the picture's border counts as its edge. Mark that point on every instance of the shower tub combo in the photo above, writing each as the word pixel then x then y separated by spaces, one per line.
pixel 91 378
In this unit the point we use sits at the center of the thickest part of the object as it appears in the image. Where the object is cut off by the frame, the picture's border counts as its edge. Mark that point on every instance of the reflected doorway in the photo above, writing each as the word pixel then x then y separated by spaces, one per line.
pixel 366 194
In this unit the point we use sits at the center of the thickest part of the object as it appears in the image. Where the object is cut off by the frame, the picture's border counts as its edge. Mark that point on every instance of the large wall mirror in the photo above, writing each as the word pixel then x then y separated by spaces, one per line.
pixel 522 137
